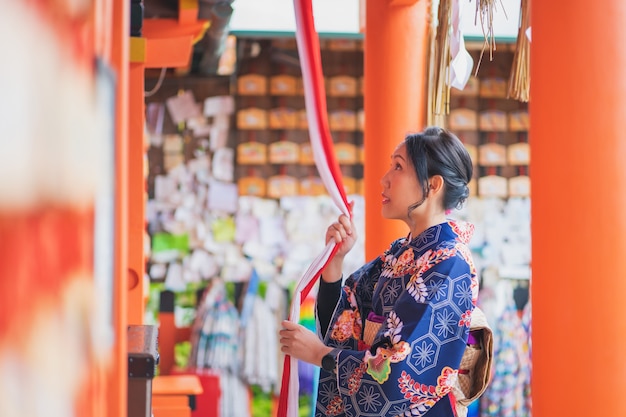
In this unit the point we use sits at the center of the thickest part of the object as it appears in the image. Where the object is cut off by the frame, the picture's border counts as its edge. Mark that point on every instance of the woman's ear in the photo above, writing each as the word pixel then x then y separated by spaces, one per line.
pixel 435 183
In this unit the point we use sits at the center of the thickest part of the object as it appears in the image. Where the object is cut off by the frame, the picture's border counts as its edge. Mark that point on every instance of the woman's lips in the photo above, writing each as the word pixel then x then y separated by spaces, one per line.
pixel 385 199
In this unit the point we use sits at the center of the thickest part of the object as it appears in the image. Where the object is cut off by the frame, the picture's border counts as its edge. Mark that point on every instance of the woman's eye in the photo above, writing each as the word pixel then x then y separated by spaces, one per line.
pixel 397 166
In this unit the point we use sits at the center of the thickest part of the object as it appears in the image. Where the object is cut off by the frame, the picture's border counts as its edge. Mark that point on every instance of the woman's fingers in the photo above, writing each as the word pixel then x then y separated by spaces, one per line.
pixel 346 224
pixel 285 336
pixel 336 232
pixel 287 333
pixel 288 325
pixel 288 336
pixel 340 232
pixel 299 342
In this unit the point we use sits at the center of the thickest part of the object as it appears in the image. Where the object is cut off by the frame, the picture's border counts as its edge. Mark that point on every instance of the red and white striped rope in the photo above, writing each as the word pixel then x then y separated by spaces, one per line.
pixel 328 168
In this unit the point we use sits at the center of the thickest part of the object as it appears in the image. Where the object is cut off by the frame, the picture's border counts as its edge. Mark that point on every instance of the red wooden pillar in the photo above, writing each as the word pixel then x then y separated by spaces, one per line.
pixel 117 381
pixel 396 47
pixel 136 193
pixel 166 43
pixel 578 200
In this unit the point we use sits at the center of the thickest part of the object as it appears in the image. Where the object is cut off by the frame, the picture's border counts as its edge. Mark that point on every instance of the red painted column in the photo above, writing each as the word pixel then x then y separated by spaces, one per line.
pixel 578 100
pixel 136 195
pixel 396 48
pixel 117 381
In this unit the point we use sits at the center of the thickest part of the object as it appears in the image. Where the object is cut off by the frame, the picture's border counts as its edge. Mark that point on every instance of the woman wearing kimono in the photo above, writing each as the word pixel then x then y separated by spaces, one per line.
pixel 391 338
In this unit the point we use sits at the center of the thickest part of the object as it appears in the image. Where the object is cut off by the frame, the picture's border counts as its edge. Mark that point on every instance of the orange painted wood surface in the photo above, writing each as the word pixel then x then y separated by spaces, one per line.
pixel 176 385
pixel 187 11
pixel 168 52
pixel 170 394
pixel 403 2
pixel 208 402
pixel 396 50
pixel 169 42
pixel 170 401
pixel 43 249
pixel 167 341
pixel 173 28
pixel 171 411
pixel 117 384
pixel 136 195
pixel 169 336
pixel 171 406
pixel 578 97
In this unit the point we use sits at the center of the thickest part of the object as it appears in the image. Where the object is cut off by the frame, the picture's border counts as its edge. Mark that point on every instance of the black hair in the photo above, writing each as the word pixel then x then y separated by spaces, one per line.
pixel 436 151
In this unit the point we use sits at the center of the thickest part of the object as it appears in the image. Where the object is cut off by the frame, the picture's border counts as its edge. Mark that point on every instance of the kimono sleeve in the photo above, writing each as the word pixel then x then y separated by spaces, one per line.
pixel 355 300
pixel 415 358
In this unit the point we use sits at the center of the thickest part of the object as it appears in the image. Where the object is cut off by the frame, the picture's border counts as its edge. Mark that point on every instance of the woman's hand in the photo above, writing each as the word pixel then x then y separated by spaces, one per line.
pixel 343 232
pixel 299 342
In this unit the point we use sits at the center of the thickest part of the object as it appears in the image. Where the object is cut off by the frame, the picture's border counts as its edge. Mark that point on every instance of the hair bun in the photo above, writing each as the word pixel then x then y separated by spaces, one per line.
pixel 466 191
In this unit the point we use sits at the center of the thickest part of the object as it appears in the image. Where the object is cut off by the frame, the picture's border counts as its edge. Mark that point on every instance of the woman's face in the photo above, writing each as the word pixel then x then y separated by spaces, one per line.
pixel 400 186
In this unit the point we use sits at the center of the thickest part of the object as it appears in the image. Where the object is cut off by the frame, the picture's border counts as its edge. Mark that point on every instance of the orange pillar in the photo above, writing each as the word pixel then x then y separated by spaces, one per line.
pixel 117 381
pixel 579 196
pixel 136 194
pixel 396 47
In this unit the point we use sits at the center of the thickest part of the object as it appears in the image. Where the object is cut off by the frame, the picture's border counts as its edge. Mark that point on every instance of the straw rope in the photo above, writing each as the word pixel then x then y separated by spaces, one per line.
pixel 440 50
pixel 519 80
pixel 484 12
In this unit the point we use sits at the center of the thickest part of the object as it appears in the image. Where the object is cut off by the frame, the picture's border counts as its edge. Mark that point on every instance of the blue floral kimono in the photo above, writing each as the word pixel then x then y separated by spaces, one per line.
pixel 423 291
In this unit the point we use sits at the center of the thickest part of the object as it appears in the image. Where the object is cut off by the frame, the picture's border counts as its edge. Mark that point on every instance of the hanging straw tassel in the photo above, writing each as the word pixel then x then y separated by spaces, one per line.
pixel 484 11
pixel 440 92
pixel 519 80
pixel 430 114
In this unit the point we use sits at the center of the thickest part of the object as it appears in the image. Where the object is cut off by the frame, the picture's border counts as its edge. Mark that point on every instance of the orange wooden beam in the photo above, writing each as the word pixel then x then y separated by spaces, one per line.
pixel 169 52
pixel 118 379
pixel 176 385
pixel 167 342
pixel 172 28
pixel 168 43
pixel 396 49
pixel 578 225
pixel 136 195
pixel 402 2
pixel 170 394
pixel 187 11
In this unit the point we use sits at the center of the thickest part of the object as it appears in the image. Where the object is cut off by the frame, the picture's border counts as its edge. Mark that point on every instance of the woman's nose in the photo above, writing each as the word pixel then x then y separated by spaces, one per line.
pixel 383 180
